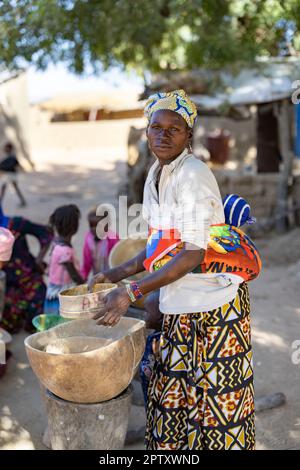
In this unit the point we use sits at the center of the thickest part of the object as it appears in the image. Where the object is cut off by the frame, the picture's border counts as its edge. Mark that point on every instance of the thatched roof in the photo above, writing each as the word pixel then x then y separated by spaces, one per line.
pixel 116 100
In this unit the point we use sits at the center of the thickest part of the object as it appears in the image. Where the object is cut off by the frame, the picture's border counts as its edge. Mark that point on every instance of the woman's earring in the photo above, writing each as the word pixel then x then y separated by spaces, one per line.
pixel 190 148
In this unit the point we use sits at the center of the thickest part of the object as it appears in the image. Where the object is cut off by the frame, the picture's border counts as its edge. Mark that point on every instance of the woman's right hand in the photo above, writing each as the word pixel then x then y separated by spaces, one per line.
pixel 123 271
pixel 111 275
pixel 99 278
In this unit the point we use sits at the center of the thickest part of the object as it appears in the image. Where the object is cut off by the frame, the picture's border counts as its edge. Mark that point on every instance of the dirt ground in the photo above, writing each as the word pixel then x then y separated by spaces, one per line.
pixel 275 314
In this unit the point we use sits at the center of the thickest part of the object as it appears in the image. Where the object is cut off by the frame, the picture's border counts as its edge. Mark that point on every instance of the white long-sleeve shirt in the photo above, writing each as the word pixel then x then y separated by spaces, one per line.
pixel 188 200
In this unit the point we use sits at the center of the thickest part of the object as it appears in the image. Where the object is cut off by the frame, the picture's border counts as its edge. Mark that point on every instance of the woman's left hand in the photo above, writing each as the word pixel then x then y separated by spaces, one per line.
pixel 116 305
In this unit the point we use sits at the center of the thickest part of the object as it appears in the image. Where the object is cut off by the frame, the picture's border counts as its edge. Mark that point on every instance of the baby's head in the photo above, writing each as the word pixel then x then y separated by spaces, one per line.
pixel 237 211
pixel 93 220
pixel 65 220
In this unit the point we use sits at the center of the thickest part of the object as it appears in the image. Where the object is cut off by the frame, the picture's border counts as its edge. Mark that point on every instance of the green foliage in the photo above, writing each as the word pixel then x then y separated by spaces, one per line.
pixel 146 35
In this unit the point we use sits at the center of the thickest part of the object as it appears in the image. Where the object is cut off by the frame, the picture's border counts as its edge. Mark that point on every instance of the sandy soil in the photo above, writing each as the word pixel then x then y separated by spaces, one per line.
pixel 275 314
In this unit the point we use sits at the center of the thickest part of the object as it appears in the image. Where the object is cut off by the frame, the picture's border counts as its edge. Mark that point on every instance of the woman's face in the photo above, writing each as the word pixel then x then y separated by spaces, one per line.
pixel 168 135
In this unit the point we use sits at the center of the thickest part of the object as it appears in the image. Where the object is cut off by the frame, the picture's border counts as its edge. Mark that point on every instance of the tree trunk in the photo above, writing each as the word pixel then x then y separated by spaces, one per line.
pixel 284 131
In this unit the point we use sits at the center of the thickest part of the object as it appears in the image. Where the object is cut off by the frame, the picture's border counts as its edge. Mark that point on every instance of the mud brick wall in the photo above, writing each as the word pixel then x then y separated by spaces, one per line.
pixel 260 190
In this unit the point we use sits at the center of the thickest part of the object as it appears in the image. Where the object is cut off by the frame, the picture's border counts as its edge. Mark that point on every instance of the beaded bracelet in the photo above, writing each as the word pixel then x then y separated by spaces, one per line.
pixel 136 290
pixel 130 293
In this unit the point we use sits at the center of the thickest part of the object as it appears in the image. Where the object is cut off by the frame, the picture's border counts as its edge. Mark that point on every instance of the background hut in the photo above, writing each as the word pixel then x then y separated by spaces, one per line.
pixel 262 97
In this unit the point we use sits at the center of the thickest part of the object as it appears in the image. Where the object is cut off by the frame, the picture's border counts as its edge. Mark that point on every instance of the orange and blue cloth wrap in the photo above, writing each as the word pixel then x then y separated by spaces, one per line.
pixel 229 251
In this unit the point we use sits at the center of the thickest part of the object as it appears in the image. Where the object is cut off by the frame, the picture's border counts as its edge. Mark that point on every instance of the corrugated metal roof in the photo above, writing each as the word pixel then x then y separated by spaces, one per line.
pixel 266 81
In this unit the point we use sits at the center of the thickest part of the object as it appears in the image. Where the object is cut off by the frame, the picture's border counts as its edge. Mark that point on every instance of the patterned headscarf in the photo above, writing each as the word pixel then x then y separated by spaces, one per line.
pixel 176 101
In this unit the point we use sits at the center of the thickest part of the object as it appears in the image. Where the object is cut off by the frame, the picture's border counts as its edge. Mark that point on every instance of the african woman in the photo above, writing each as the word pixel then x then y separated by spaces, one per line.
pixel 201 391
pixel 25 287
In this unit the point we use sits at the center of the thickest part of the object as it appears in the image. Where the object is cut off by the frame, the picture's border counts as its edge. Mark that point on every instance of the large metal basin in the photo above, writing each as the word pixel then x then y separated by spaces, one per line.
pixel 93 376
pixel 123 251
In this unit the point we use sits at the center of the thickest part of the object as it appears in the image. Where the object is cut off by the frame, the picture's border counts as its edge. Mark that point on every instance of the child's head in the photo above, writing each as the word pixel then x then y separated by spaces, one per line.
pixel 94 219
pixel 65 220
pixel 237 211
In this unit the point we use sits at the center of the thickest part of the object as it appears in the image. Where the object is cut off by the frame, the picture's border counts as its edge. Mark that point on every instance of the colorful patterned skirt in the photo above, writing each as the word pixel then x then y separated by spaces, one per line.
pixel 24 298
pixel 201 393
